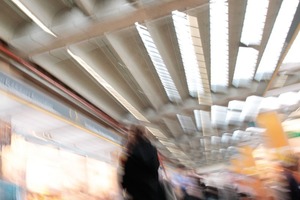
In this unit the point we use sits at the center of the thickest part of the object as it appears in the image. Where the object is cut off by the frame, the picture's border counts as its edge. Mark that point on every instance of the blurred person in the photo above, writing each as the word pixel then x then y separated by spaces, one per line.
pixel 193 190
pixel 140 177
pixel 290 171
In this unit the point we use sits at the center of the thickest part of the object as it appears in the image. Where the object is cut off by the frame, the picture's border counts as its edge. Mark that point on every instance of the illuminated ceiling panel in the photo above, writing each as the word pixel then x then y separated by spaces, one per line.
pixel 158 63
pixel 277 39
pixel 254 22
pixel 219 44
pixel 190 45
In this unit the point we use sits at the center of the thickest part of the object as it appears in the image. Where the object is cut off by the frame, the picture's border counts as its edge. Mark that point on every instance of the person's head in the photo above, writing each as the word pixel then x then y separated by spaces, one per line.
pixel 135 133
pixel 290 162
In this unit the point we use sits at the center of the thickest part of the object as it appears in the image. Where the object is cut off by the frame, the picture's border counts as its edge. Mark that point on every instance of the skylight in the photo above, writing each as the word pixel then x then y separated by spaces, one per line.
pixel 277 39
pixel 254 22
pixel 158 63
pixel 188 54
pixel 32 17
pixel 219 44
pixel 245 66
pixel 108 87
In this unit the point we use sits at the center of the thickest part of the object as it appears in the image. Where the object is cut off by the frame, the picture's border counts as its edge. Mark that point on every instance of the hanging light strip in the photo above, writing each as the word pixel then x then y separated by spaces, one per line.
pixel 277 39
pixel 108 87
pixel 188 54
pixel 219 44
pixel 245 66
pixel 254 22
pixel 158 63
pixel 33 17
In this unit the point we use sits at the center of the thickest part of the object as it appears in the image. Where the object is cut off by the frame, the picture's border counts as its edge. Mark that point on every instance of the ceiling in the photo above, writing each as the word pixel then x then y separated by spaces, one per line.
pixel 99 49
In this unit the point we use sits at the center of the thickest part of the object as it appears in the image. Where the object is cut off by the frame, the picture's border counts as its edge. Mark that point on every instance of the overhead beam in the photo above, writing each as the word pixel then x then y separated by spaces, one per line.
pixel 140 15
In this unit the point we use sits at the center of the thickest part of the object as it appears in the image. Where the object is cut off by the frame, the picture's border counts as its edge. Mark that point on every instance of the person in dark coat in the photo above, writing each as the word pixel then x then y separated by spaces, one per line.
pixel 140 178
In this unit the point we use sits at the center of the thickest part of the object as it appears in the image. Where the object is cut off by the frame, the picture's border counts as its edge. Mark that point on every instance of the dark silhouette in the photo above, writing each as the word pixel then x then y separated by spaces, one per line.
pixel 140 178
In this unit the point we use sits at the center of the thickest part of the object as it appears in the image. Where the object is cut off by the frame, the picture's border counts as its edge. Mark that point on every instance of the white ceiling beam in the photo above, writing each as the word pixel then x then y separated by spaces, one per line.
pixel 105 26
pixel 133 64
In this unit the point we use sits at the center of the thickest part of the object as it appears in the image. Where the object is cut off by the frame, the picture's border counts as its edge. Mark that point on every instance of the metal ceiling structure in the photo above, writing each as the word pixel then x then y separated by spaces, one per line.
pixel 195 72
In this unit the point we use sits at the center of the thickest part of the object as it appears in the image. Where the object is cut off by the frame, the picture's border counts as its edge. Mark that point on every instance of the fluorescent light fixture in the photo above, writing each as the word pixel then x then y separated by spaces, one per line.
pixel 156 132
pixel 190 46
pixel 186 123
pixel 218 115
pixel 234 112
pixel 233 117
pixel 254 22
pixel 236 105
pixel 108 87
pixel 255 130
pixel 251 108
pixel 269 104
pixel 245 66
pixel 32 17
pixel 277 39
pixel 219 44
pixel 288 99
pixel 158 63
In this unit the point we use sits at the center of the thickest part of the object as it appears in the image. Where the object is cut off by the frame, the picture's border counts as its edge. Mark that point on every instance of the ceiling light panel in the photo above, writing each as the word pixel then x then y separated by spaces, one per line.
pixel 32 17
pixel 158 63
pixel 254 22
pixel 277 39
pixel 233 117
pixel 218 115
pixel 269 104
pixel 219 44
pixel 186 123
pixel 190 46
pixel 236 105
pixel 245 67
pixel 251 108
pixel 288 99
pixel 108 87
pixel 235 108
